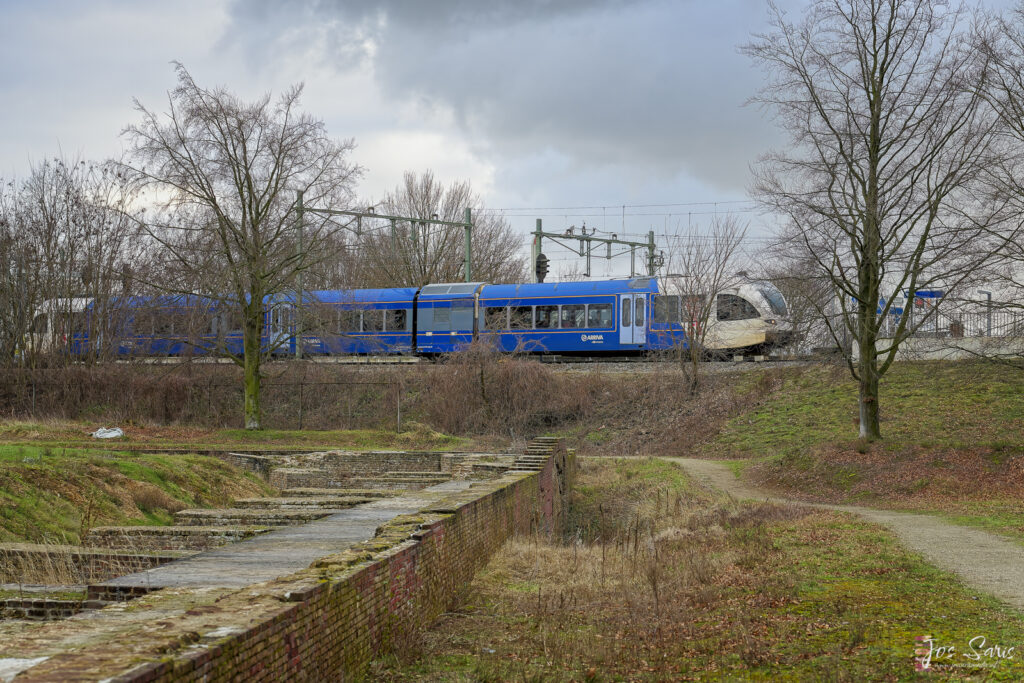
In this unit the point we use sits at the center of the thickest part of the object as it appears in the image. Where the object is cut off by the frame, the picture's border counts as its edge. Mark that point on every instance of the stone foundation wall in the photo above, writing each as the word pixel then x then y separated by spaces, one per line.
pixel 29 563
pixel 296 478
pixel 329 622
pixel 151 538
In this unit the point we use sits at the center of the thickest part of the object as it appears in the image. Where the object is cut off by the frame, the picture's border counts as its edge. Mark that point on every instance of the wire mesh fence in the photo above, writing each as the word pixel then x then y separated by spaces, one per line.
pixel 289 404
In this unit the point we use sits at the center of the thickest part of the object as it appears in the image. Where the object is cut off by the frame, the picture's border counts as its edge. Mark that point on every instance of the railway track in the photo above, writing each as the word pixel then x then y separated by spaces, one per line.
pixel 738 359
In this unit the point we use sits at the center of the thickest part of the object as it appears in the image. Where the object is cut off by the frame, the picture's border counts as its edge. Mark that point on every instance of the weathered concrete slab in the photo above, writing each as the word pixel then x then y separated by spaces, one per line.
pixel 302 502
pixel 364 493
pixel 282 551
pixel 248 517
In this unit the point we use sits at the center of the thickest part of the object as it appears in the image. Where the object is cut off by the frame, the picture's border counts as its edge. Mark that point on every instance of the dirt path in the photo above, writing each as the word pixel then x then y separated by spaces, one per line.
pixel 984 561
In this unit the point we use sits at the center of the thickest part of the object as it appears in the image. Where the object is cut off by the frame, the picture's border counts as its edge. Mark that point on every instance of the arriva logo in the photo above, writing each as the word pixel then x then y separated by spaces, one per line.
pixel 592 337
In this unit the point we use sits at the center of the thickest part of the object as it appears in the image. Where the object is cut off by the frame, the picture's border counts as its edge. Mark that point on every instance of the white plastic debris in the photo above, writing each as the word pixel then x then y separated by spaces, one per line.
pixel 12 666
pixel 107 433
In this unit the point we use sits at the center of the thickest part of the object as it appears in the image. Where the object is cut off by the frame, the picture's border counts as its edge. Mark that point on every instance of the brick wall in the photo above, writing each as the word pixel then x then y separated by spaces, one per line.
pixel 330 621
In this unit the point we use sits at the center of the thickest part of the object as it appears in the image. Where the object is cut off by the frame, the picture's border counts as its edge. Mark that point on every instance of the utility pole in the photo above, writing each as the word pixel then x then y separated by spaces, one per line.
pixel 468 227
pixel 586 247
pixel 298 302
pixel 535 250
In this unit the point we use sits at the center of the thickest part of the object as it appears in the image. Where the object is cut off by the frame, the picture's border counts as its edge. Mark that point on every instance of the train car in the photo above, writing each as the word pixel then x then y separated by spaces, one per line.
pixel 749 317
pixel 447 317
pixel 596 317
pixel 60 326
pixel 592 318
pixel 347 322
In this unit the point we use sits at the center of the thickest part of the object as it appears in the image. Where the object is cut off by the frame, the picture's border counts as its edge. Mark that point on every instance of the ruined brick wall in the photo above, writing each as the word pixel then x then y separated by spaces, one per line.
pixel 373 463
pixel 333 619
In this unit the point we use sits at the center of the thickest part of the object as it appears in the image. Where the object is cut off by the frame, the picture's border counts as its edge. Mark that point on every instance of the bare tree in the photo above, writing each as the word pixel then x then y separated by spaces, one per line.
pixel 227 174
pixel 889 137
pixel 415 254
pixel 1002 42
pixel 700 265
pixel 67 235
pixel 810 300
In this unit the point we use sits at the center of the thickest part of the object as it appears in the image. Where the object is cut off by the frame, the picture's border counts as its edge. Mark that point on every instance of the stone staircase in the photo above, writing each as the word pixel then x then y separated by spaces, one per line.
pixel 249 517
pixel 536 455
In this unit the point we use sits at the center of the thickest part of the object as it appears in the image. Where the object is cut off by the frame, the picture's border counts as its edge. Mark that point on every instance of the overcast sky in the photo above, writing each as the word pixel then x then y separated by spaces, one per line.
pixel 540 103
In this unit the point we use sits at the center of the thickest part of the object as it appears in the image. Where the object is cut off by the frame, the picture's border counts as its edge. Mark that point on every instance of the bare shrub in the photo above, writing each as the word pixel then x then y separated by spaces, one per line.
pixel 150 498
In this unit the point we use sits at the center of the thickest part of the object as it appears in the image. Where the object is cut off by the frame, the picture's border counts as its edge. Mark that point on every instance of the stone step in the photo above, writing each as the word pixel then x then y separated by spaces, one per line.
pixel 46 609
pixel 247 517
pixel 416 473
pixel 362 493
pixel 169 538
pixel 301 502
pixel 116 592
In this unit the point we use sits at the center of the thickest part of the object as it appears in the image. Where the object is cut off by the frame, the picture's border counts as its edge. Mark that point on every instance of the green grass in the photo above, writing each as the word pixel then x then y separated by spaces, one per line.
pixel 65 435
pixel 50 495
pixel 947 404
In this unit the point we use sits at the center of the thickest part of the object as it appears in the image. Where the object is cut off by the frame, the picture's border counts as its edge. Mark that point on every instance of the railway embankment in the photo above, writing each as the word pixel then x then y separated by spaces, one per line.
pixel 329 613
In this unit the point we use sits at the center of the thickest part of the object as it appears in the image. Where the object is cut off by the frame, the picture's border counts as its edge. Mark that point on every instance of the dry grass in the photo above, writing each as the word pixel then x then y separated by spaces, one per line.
pixel 52 564
pixel 676 584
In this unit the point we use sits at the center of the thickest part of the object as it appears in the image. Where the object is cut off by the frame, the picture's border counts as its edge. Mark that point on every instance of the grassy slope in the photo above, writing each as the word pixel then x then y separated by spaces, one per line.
pixel 928 404
pixel 744 592
pixel 67 434
pixel 52 495
pixel 953 442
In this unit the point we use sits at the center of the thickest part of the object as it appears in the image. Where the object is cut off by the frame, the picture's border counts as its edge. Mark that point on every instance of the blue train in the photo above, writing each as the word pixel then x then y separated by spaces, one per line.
pixel 591 318
pixel 565 318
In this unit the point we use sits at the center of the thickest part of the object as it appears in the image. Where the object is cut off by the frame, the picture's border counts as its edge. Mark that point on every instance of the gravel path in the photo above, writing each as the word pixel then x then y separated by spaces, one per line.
pixel 984 561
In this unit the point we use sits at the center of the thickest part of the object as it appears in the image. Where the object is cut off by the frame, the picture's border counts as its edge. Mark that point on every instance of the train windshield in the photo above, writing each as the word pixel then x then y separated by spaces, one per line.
pixel 775 300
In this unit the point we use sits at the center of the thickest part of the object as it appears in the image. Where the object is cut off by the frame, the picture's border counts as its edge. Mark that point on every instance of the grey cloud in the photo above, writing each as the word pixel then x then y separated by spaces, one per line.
pixel 655 86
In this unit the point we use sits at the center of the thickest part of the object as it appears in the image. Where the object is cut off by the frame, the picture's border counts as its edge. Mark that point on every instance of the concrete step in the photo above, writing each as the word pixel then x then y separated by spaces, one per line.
pixel 169 538
pixel 301 502
pixel 247 517
pixel 360 492
pixel 433 476
pixel 46 609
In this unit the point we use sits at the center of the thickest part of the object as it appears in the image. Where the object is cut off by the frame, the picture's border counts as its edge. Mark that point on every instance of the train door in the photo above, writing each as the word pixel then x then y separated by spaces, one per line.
pixel 280 323
pixel 632 318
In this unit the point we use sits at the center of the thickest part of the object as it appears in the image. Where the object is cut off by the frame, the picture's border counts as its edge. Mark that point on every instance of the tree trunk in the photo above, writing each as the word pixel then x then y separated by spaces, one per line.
pixel 868 371
pixel 253 327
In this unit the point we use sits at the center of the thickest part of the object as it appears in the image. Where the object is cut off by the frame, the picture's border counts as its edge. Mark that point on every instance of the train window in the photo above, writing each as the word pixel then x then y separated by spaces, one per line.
pixel 774 298
pixel 574 317
pixel 373 321
pixel 666 309
pixel 462 315
pixel 78 323
pixel 599 316
pixel 142 323
pixel 520 318
pixel 639 313
pixel 163 323
pixel 397 320
pixel 732 307
pixel 547 317
pixel 233 319
pixel 627 312
pixel 348 321
pixel 441 319
pixel 495 318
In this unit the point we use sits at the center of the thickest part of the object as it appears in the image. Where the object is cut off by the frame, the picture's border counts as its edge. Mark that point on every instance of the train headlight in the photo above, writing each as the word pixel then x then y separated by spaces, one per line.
pixel 770 321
